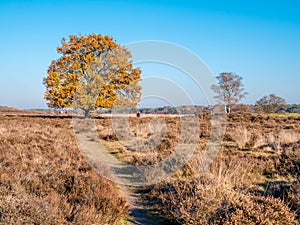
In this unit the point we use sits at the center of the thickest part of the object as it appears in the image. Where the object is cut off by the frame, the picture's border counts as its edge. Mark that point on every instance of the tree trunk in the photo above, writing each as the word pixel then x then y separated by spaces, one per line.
pixel 87 113
pixel 228 109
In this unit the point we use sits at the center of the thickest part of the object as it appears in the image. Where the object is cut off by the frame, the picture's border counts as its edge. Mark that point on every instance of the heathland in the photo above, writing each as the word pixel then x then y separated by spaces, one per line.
pixel 254 179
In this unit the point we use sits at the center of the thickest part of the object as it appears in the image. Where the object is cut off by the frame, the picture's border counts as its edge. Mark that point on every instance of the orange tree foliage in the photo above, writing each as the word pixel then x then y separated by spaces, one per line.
pixel 93 72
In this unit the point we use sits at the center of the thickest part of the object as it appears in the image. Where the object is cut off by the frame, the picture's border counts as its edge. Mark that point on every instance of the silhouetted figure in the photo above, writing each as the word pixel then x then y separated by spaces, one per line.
pixel 138 114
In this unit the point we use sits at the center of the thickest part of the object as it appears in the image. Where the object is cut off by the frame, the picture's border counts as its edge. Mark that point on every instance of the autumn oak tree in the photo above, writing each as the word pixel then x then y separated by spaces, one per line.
pixel 93 72
pixel 229 90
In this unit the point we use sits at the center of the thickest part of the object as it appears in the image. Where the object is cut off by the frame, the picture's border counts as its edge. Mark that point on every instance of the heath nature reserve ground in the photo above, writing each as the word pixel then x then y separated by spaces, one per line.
pixel 44 179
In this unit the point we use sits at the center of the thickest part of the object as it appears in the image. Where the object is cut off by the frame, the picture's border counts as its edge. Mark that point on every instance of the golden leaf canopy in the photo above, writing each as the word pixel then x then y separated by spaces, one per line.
pixel 92 72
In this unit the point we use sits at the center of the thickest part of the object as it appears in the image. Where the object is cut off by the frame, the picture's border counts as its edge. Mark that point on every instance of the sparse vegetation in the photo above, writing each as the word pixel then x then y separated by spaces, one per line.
pixel 45 180
pixel 253 180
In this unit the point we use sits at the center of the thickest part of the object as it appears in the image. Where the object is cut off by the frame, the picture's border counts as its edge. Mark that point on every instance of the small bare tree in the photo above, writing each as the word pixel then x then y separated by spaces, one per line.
pixel 230 89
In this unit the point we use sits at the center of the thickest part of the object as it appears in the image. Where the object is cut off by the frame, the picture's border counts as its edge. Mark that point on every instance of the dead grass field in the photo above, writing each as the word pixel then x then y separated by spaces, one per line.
pixel 45 180
pixel 254 179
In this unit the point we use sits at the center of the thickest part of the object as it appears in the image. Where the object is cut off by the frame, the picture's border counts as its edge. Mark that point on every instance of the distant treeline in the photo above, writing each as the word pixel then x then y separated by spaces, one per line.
pixel 292 108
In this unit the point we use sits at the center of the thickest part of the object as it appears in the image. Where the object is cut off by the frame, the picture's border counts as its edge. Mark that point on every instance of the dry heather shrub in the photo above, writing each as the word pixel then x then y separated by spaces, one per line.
pixel 293 198
pixel 188 200
pixel 256 131
pixel 246 138
pixel 289 136
pixel 287 192
pixel 277 139
pixel 206 202
pixel 45 180
pixel 152 139
pixel 240 209
pixel 22 208
pixel 289 161
pixel 274 141
pixel 105 129
pixel 255 138
pixel 221 196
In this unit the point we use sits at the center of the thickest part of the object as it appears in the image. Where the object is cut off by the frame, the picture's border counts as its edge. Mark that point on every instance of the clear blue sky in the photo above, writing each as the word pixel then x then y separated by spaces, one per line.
pixel 259 40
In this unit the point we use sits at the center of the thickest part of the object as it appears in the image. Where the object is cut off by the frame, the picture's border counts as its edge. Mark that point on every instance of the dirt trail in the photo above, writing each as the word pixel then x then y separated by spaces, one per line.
pixel 141 212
